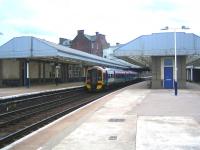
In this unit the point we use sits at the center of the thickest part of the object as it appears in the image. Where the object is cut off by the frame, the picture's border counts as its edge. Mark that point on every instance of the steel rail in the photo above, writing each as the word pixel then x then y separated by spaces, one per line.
pixel 37 95
pixel 11 137
pixel 32 110
pixel 4 104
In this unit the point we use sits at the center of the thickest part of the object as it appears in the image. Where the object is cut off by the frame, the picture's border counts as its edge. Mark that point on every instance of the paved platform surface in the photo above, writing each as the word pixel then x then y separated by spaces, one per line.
pixel 168 133
pixel 17 91
pixel 134 118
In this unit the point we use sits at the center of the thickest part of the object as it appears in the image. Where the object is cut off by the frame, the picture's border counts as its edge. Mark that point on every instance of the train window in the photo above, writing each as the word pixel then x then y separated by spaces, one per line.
pixel 99 75
pixel 105 76
pixel 89 74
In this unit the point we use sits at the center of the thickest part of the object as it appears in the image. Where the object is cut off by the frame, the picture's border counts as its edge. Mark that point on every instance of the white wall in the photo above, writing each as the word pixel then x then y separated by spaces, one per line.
pixel 48 71
pixel 41 70
pixel 10 69
pixel 34 70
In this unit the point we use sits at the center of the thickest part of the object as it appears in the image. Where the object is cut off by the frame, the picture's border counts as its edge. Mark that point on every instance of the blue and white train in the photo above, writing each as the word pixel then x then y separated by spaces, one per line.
pixel 99 78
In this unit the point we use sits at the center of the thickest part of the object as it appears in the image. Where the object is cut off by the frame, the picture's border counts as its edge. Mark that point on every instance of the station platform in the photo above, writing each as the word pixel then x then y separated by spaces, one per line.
pixel 18 91
pixel 133 118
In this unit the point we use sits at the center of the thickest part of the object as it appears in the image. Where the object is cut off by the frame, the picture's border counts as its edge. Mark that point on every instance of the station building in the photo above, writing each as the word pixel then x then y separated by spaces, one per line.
pixel 29 60
pixel 157 51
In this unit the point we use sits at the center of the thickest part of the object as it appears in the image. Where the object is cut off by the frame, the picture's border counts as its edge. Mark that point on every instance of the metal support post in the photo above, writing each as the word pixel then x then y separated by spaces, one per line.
pixel 175 66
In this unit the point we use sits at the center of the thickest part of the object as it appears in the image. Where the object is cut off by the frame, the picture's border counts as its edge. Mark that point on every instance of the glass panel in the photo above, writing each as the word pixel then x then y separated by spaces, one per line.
pixel 168 62
pixel 89 74
pixel 99 75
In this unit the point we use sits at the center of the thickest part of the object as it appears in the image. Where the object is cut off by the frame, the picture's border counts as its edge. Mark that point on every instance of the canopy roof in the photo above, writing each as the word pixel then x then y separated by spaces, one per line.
pixel 159 44
pixel 31 47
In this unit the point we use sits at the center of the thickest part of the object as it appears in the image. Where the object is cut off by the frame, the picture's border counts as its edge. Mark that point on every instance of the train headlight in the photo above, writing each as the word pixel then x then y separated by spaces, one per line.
pixel 99 87
pixel 88 86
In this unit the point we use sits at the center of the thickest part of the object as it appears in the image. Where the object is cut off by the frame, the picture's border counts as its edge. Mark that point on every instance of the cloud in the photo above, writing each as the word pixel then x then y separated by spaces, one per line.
pixel 160 6
pixel 121 20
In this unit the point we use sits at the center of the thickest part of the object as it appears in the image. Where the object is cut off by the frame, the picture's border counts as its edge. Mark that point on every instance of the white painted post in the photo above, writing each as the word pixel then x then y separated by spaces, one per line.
pixel 175 64
pixel 27 69
pixel 27 74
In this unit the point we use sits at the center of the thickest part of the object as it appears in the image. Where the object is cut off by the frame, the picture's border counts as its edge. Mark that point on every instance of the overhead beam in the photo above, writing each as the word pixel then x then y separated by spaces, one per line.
pixel 135 61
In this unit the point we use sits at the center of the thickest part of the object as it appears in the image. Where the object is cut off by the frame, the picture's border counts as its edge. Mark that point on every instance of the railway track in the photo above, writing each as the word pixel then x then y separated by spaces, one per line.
pixel 13 103
pixel 23 115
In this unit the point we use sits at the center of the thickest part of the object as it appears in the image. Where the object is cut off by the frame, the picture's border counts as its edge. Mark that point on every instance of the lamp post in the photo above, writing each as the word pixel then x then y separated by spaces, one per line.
pixel 175 57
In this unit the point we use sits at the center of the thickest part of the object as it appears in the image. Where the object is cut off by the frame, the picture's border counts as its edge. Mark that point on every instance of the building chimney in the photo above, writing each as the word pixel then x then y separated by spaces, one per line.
pixel 61 40
pixel 80 31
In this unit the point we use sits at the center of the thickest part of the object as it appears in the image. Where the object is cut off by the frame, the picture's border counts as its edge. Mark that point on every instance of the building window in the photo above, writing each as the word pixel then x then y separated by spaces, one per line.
pixel 74 71
pixel 97 46
pixel 168 62
pixel 92 45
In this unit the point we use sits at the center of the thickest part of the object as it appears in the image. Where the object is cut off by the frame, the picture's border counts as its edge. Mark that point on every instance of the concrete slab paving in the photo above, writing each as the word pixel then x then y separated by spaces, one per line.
pixel 113 126
pixel 169 122
pixel 102 136
pixel 133 118
pixel 168 133
pixel 163 103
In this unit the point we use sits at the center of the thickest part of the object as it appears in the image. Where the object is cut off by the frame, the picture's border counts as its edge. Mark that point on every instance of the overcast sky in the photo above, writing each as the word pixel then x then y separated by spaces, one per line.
pixel 120 20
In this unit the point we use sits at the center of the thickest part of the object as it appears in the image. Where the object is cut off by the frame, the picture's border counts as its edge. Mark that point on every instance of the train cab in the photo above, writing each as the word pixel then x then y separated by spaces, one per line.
pixel 94 79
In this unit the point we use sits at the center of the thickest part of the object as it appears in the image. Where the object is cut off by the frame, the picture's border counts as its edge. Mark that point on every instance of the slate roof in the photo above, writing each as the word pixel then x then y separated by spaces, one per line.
pixel 91 38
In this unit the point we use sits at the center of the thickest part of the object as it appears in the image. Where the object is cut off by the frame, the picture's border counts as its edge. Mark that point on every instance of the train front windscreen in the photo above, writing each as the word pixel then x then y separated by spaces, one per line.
pixel 93 76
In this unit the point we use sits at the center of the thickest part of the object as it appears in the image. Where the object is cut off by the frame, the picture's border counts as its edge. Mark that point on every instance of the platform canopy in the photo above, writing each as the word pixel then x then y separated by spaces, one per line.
pixel 34 48
pixel 140 49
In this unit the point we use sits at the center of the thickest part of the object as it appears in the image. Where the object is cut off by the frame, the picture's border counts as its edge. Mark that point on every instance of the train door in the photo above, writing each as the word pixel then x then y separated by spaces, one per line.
pixel 105 78
pixel 93 78
pixel 100 76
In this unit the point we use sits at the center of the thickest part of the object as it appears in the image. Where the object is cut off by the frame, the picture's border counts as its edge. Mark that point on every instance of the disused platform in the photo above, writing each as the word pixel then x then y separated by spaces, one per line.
pixel 19 91
pixel 132 118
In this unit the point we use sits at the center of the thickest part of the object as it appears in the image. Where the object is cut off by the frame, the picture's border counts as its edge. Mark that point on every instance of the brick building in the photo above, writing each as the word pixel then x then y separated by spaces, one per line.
pixel 90 44
pixel 65 42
